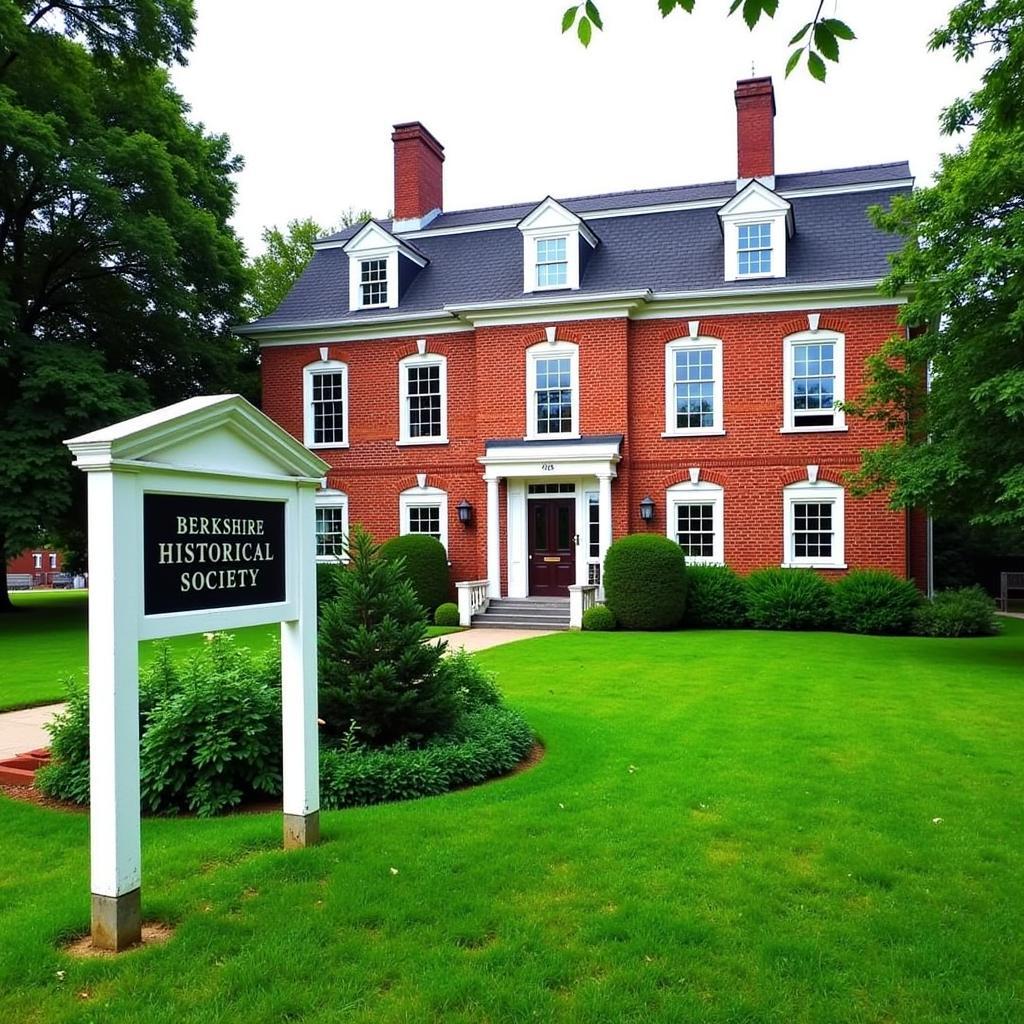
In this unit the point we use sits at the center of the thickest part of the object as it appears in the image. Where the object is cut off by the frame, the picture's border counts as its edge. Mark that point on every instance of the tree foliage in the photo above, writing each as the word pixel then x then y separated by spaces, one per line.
pixel 819 38
pixel 119 273
pixel 958 445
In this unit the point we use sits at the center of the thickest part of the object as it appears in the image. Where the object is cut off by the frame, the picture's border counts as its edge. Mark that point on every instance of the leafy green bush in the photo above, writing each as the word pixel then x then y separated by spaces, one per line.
pixel 447 614
pixel 425 564
pixel 326 582
pixel 716 598
pixel 965 612
pixel 645 582
pixel 598 619
pixel 210 732
pixel 489 741
pixel 874 601
pixel 788 599
pixel 375 669
pixel 475 686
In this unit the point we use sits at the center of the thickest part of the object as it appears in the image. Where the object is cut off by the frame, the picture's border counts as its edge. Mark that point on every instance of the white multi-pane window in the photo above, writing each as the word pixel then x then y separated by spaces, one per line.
pixel 53 561
pixel 593 539
pixel 814 381
pixel 552 263
pixel 814 514
pixel 552 390
pixel 693 387
pixel 331 525
pixel 695 520
pixel 754 249
pixel 423 385
pixel 37 560
pixel 325 396
pixel 373 282
pixel 424 510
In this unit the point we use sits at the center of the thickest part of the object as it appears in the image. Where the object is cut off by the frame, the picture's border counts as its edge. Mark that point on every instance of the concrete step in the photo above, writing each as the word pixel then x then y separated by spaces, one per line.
pixel 484 622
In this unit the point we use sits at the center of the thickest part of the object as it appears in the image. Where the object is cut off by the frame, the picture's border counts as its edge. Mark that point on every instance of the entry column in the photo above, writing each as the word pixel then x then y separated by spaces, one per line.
pixel 493 538
pixel 604 516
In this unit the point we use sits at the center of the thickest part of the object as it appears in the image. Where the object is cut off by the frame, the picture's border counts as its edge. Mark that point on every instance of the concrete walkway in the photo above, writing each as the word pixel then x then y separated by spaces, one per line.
pixel 21 731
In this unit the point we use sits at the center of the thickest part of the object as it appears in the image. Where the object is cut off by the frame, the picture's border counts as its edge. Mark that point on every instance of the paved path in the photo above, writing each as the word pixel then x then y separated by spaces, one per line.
pixel 23 730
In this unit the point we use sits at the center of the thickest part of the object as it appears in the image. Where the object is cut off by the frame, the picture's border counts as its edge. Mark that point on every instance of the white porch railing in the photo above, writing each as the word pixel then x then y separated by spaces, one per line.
pixel 473 599
pixel 581 597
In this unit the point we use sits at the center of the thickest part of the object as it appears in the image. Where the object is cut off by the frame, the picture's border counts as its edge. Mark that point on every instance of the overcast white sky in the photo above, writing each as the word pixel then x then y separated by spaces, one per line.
pixel 308 90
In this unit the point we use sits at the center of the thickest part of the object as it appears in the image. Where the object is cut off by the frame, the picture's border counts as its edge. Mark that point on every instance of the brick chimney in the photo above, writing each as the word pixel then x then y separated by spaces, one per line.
pixel 418 176
pixel 755 130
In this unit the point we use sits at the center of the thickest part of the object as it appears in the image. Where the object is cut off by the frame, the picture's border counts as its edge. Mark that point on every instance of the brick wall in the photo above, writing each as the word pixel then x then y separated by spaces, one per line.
pixel 622 384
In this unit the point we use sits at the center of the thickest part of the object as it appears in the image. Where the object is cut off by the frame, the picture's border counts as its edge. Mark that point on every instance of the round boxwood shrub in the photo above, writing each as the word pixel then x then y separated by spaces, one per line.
pixel 645 582
pixel 447 614
pixel 874 601
pixel 965 612
pixel 788 599
pixel 716 597
pixel 598 619
pixel 425 567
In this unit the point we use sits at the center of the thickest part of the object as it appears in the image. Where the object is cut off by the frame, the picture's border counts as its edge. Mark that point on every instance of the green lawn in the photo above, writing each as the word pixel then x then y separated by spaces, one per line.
pixel 48 641
pixel 750 827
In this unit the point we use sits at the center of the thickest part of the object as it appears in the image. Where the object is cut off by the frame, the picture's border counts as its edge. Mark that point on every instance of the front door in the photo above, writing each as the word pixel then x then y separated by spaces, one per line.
pixel 552 546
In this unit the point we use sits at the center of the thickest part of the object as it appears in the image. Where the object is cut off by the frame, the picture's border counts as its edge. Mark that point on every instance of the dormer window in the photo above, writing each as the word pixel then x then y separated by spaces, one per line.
pixel 552 263
pixel 373 282
pixel 557 245
pixel 754 254
pixel 380 267
pixel 757 224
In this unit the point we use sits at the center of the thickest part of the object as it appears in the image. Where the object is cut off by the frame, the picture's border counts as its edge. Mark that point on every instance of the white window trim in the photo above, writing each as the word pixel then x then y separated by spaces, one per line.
pixel 755 204
pixel 818 491
pixel 415 360
pixel 329 497
pixel 308 373
pixel 818 337
pixel 572 260
pixel 683 345
pixel 420 496
pixel 390 270
pixel 53 561
pixel 37 560
pixel 699 493
pixel 551 350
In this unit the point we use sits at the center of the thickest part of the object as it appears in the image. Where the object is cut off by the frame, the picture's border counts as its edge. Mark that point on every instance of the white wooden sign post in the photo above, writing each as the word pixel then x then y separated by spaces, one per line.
pixel 201 518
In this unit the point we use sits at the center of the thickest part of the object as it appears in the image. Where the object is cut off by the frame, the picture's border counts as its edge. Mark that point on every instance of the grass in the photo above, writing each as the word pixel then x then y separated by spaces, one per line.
pixel 48 640
pixel 730 828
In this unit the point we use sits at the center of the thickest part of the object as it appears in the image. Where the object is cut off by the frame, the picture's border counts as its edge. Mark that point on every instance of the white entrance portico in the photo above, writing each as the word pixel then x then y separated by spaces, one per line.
pixel 578 474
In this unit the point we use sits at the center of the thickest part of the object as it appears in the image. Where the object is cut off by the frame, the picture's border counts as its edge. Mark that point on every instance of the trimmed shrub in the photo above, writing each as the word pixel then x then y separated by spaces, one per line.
pixel 645 582
pixel 598 619
pixel 788 599
pixel 375 669
pixel 716 597
pixel 489 741
pixel 965 612
pixel 425 565
pixel 874 601
pixel 211 732
pixel 447 614
pixel 326 582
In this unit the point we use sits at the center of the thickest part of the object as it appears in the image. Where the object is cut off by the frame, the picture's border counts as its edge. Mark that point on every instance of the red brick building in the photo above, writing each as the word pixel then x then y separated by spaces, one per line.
pixel 529 382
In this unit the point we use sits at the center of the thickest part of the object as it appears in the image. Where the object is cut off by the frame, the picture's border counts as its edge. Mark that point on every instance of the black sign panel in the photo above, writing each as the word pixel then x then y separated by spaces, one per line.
pixel 200 552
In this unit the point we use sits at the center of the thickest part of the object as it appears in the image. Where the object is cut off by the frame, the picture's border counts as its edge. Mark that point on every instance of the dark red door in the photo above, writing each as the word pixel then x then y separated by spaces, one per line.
pixel 552 528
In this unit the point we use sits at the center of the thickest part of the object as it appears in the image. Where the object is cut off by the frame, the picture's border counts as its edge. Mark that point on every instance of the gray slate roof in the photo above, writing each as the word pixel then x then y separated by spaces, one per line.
pixel 678 250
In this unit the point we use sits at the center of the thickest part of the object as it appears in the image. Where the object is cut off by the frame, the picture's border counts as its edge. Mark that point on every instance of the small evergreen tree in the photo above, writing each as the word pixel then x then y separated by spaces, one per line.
pixel 375 669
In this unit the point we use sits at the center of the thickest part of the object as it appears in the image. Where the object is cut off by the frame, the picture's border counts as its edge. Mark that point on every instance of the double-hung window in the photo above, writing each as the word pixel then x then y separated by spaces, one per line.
pixel 814 525
pixel 552 399
pixel 696 520
pixel 552 263
pixel 423 387
pixel 331 525
pixel 814 381
pixel 373 282
pixel 754 249
pixel 325 397
pixel 693 387
pixel 424 511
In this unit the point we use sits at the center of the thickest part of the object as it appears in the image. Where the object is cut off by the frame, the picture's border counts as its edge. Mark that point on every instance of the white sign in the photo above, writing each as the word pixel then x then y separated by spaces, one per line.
pixel 201 518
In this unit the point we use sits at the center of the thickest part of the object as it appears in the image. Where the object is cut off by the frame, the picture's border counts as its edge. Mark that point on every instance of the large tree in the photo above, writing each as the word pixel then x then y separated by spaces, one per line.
pixel 119 273
pixel 952 388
